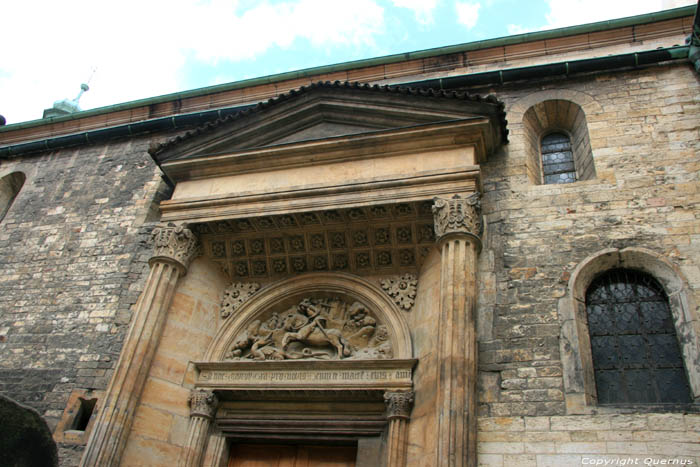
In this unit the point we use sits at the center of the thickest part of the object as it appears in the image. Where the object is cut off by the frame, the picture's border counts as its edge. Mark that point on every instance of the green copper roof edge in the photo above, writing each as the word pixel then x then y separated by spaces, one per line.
pixel 384 60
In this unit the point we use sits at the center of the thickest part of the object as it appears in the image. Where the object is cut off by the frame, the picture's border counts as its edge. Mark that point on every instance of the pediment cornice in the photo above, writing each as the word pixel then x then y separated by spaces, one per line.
pixel 328 111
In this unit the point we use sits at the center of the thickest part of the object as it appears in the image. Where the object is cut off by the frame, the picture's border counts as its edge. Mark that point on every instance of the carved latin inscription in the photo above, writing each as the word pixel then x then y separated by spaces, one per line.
pixel 236 295
pixel 402 289
pixel 315 328
pixel 457 215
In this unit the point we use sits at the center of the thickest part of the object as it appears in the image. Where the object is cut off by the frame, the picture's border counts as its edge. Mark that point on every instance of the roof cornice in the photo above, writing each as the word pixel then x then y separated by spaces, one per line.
pixel 385 60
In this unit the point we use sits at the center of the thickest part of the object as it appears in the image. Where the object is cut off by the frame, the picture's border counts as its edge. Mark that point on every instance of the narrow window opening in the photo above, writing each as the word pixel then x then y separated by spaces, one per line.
pixel 557 159
pixel 82 418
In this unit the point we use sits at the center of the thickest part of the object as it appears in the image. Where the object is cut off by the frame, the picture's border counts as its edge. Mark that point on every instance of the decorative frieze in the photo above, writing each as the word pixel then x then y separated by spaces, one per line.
pixel 202 403
pixel 236 295
pixel 175 242
pixel 402 289
pixel 457 215
pixel 398 404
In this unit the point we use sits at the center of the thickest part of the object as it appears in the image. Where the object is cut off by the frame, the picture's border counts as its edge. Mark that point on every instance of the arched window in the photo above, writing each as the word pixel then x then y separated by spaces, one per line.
pixel 557 159
pixel 557 143
pixel 9 188
pixel 635 351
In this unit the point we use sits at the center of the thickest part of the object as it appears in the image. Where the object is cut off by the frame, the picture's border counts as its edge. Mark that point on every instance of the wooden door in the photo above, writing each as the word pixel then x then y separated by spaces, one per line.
pixel 266 455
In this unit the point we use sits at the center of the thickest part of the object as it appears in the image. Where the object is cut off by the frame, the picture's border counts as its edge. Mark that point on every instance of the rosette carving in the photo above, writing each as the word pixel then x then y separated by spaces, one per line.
pixel 202 403
pixel 236 295
pixel 457 215
pixel 402 289
pixel 398 404
pixel 175 242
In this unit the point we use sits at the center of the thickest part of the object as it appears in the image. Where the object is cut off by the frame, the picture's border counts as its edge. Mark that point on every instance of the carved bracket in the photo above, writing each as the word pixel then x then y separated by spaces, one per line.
pixel 458 215
pixel 398 404
pixel 202 403
pixel 402 289
pixel 236 295
pixel 175 242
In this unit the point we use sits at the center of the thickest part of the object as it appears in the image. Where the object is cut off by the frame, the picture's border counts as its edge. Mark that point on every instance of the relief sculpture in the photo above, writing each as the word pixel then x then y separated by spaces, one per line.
pixel 314 328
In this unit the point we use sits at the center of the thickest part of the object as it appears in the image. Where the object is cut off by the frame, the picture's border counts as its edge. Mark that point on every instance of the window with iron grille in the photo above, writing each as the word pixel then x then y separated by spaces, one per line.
pixel 636 356
pixel 557 159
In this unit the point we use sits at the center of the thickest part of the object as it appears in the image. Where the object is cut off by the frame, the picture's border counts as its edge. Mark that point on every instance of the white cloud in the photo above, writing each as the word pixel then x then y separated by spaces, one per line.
pixel 514 29
pixel 140 47
pixel 423 9
pixel 570 12
pixel 467 13
pixel 563 13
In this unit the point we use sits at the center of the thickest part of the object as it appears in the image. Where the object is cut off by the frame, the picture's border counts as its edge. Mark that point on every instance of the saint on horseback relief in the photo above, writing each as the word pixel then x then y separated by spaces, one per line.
pixel 314 328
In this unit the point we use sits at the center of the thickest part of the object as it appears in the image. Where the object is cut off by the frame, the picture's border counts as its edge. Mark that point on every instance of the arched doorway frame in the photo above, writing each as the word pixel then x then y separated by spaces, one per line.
pixel 397 395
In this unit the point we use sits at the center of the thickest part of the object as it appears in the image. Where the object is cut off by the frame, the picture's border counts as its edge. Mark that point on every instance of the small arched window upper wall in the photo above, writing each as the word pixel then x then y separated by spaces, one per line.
pixel 558 144
pixel 634 347
pixel 9 188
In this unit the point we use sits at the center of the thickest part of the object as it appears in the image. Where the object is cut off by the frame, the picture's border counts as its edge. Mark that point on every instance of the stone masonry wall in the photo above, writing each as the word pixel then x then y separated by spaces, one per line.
pixel 644 130
pixel 73 252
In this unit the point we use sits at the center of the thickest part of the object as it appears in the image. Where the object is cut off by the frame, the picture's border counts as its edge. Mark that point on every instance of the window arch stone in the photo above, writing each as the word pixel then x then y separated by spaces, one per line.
pixel 10 185
pixel 575 347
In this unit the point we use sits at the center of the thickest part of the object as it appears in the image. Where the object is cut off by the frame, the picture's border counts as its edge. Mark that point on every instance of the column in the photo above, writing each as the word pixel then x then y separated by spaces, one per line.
pixel 174 249
pixel 457 228
pixel 203 405
pixel 398 407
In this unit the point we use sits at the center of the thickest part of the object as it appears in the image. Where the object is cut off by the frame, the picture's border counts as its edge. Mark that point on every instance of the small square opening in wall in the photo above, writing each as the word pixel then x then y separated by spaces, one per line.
pixel 85 408
pixel 78 417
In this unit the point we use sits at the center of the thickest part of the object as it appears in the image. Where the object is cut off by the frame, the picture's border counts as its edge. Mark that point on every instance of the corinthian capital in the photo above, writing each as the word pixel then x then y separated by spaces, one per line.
pixel 175 242
pixel 202 403
pixel 457 215
pixel 398 404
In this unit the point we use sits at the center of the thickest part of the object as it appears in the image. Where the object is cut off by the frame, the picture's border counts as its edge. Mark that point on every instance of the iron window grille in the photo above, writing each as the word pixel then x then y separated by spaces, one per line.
pixel 636 356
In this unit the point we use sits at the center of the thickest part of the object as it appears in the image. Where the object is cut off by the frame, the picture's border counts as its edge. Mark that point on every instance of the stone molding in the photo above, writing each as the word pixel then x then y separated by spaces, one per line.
pixel 236 295
pixel 402 289
pixel 203 403
pixel 458 215
pixel 176 243
pixel 398 404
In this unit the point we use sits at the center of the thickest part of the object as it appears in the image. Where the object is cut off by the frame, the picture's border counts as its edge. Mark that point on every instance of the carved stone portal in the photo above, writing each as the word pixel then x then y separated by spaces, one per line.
pixel 315 328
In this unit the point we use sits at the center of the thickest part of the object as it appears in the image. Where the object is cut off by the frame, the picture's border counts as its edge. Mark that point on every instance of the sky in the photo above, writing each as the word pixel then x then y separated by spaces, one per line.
pixel 134 49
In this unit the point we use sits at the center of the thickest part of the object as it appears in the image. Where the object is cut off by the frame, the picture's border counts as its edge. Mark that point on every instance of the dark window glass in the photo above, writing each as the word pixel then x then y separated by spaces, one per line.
pixel 635 351
pixel 557 159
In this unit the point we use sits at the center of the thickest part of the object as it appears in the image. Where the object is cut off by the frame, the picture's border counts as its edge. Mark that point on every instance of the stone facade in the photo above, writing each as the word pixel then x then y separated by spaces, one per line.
pixel 76 242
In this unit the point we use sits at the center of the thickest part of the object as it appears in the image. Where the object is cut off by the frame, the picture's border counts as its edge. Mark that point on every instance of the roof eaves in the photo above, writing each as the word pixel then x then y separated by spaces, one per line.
pixel 388 59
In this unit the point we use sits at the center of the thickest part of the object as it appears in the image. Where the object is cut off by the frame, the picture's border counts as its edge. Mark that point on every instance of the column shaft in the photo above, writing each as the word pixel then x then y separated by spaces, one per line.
pixel 203 405
pixel 457 226
pixel 109 436
pixel 399 405
pixel 457 354
pixel 396 444
pixel 197 435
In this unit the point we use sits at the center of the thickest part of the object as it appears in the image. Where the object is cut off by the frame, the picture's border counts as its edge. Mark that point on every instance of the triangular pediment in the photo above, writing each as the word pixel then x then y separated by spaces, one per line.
pixel 325 111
